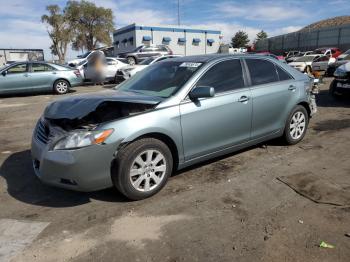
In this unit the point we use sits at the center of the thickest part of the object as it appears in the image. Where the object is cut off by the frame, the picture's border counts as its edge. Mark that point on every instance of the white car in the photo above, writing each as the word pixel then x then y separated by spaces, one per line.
pixel 322 63
pixel 112 66
pixel 304 63
pixel 129 71
pixel 81 58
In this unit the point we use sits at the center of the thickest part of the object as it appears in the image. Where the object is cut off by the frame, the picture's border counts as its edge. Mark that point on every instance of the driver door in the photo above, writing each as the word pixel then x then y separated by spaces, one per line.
pixel 213 124
pixel 15 79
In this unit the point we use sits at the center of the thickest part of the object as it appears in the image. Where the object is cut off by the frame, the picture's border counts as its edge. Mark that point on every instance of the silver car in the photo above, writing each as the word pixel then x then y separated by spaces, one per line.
pixel 30 77
pixel 171 115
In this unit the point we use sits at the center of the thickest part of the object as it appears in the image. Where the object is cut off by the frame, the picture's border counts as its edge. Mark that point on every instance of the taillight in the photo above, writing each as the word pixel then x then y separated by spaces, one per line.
pixel 77 73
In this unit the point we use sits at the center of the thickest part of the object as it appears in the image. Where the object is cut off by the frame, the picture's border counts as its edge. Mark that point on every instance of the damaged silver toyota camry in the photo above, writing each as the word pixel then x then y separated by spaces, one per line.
pixel 169 116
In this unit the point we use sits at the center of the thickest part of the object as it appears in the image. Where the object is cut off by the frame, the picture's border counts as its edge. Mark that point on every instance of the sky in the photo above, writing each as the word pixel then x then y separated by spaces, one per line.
pixel 21 26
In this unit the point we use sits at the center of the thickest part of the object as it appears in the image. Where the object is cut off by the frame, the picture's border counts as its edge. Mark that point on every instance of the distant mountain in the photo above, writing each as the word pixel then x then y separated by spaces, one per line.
pixel 335 21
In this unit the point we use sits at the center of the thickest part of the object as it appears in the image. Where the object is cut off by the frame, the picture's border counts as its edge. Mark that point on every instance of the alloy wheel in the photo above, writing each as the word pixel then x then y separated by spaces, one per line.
pixel 297 125
pixel 61 87
pixel 148 170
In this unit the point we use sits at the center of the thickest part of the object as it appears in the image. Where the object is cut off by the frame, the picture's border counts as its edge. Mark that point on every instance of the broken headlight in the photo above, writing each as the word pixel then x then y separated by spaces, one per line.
pixel 81 139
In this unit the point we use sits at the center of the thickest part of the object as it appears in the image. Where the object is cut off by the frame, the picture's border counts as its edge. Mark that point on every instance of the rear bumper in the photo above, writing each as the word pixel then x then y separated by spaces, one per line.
pixel 76 82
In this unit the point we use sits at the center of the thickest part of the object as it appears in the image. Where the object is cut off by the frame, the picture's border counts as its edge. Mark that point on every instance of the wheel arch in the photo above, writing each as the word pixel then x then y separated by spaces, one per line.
pixel 61 78
pixel 306 106
pixel 165 139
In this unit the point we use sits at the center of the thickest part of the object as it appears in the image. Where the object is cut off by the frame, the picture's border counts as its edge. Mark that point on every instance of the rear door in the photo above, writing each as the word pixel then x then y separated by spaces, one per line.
pixel 217 123
pixel 15 79
pixel 274 93
pixel 42 76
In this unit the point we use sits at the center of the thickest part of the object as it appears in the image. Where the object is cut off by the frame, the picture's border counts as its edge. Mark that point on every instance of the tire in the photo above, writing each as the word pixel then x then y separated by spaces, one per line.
pixel 299 118
pixel 142 183
pixel 308 70
pixel 61 87
pixel 131 60
pixel 332 90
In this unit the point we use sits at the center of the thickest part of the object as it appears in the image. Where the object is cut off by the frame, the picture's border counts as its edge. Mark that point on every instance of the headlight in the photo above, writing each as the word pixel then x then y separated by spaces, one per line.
pixel 82 139
pixel 340 72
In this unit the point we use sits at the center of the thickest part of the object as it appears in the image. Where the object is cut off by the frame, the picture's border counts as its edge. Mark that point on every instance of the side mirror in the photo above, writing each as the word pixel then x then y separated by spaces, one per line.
pixel 4 73
pixel 202 92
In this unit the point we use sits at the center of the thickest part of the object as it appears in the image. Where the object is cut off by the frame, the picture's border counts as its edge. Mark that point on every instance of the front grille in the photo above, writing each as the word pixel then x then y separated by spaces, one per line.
pixel 42 132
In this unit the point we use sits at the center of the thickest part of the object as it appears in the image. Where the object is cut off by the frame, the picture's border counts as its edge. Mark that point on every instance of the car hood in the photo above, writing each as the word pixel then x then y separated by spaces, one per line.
pixel 79 106
pixel 345 67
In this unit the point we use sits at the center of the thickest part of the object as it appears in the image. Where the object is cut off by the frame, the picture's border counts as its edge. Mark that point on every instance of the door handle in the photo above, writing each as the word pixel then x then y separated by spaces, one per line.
pixel 243 99
pixel 292 88
pixel 26 75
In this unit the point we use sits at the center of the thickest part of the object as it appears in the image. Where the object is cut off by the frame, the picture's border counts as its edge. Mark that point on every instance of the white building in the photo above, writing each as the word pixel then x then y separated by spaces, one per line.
pixel 182 41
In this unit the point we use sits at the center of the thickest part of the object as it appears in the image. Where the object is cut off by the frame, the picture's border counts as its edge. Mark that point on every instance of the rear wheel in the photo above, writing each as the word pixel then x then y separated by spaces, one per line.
pixel 142 168
pixel 333 90
pixel 308 70
pixel 61 87
pixel 296 125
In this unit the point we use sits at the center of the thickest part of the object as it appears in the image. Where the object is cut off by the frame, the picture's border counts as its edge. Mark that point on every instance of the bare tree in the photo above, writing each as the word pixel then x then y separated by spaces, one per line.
pixel 59 30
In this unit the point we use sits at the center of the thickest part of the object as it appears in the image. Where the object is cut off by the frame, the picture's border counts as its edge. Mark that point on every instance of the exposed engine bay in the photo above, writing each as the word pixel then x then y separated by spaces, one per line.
pixel 106 111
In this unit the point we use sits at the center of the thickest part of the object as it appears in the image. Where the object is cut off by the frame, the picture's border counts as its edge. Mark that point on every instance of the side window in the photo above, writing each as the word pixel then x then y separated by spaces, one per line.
pixel 283 75
pixel 261 71
pixel 17 69
pixel 147 49
pixel 41 68
pixel 224 76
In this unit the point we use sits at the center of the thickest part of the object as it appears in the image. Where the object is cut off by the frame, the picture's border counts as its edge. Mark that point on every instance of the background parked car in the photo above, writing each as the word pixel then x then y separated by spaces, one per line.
pixel 127 72
pixel 322 63
pixel 341 83
pixel 295 57
pixel 142 52
pixel 330 51
pixel 28 77
pixel 303 64
pixel 341 60
pixel 111 68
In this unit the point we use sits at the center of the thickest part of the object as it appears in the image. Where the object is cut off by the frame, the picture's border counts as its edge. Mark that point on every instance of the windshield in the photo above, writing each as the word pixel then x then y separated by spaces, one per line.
pixel 347 52
pixel 305 59
pixel 148 61
pixel 160 79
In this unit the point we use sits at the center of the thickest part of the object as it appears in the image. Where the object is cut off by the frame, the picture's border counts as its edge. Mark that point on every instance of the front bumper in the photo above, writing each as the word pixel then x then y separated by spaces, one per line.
pixel 342 86
pixel 86 169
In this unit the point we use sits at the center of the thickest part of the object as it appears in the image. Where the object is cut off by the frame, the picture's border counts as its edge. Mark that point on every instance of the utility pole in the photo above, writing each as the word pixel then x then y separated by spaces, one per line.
pixel 178 12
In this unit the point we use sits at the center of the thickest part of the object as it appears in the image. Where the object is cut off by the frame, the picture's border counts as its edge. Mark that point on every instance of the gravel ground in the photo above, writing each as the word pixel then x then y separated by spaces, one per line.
pixel 230 209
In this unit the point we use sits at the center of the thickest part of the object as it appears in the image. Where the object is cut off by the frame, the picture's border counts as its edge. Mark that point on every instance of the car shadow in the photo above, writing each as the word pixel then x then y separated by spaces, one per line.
pixel 31 94
pixel 324 99
pixel 23 185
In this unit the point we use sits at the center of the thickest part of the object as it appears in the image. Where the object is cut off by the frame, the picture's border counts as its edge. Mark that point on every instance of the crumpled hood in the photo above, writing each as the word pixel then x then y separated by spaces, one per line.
pixel 78 106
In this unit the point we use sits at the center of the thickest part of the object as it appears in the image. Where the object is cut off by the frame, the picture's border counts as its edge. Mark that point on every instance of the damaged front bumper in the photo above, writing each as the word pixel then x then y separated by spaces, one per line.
pixel 85 169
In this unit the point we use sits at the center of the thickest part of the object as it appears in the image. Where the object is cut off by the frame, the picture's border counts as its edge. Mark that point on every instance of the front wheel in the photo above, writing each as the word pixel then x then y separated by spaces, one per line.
pixel 61 87
pixel 131 60
pixel 142 168
pixel 296 125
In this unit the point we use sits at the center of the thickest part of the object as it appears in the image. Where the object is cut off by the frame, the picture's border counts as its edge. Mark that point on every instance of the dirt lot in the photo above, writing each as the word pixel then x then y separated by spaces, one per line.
pixel 230 209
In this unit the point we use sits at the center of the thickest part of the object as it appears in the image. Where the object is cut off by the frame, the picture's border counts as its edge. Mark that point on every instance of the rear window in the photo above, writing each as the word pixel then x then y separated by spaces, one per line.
pixel 261 71
pixel 283 75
